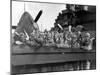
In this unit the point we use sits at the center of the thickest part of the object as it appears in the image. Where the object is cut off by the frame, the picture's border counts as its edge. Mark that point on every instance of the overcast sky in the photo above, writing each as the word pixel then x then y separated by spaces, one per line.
pixel 47 19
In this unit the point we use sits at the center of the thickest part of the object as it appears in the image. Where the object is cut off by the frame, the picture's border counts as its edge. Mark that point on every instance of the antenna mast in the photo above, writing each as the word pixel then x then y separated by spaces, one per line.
pixel 24 6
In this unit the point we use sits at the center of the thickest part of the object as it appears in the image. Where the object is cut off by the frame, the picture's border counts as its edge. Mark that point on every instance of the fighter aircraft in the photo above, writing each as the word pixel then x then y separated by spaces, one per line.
pixel 26 26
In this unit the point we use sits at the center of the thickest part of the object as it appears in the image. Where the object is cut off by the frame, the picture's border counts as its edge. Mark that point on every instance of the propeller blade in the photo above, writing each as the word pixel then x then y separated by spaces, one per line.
pixel 38 16
pixel 14 27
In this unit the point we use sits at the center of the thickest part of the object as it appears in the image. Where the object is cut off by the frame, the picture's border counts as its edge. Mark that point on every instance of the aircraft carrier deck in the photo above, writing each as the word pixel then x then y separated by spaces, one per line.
pixel 27 59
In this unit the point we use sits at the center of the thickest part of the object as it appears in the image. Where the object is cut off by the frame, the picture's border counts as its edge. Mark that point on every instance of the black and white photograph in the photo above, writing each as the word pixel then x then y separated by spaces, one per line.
pixel 52 37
